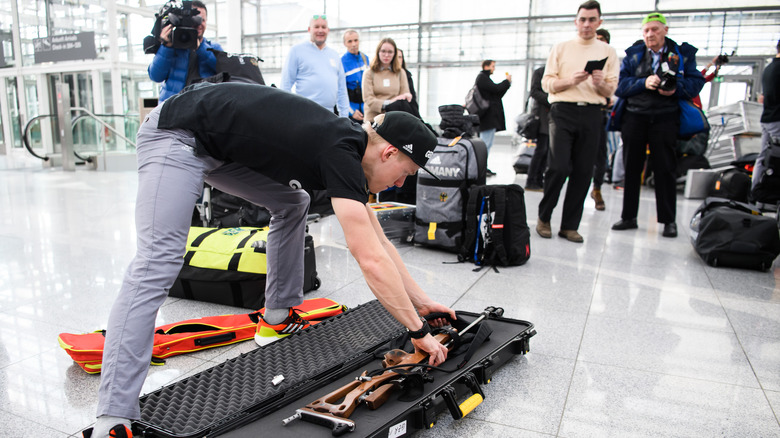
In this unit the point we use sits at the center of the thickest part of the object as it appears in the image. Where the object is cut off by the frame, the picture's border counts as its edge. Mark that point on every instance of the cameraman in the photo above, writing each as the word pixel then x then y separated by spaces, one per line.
pixel 176 68
pixel 656 73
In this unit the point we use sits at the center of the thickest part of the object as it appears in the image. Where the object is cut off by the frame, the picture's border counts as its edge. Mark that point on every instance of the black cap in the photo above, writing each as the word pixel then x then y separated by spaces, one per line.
pixel 410 135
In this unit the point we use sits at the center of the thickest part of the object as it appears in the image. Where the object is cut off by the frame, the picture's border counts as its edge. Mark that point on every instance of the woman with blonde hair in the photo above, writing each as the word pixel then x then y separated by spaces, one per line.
pixel 385 82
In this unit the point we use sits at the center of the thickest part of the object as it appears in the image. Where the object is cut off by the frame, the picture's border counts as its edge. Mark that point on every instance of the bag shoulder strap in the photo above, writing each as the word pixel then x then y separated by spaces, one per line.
pixel 471 223
pixel 497 228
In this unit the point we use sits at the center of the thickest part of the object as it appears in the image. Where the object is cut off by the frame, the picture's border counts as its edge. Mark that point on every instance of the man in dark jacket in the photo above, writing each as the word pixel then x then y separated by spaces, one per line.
pixel 535 181
pixel 492 120
pixel 656 73
pixel 176 68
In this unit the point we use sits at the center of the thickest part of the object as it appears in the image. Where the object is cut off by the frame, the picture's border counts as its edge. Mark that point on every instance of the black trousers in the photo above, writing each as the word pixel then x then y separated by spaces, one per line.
pixel 659 132
pixel 539 161
pixel 600 168
pixel 574 138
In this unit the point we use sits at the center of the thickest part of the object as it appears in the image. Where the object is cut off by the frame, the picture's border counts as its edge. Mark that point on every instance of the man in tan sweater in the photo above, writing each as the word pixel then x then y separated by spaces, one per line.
pixel 580 74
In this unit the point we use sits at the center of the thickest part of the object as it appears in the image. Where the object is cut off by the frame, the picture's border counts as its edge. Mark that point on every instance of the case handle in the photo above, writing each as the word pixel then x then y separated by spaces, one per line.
pixel 459 411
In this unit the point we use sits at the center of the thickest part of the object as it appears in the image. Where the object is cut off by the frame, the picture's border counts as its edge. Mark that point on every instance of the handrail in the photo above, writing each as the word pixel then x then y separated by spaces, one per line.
pixel 81 117
pixel 96 117
pixel 26 131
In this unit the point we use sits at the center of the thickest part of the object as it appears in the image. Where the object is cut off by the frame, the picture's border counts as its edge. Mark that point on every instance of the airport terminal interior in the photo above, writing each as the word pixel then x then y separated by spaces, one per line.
pixel 636 335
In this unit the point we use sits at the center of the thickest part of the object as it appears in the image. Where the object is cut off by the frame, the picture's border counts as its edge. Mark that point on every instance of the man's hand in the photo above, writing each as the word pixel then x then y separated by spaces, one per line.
pixel 652 82
pixel 598 77
pixel 578 77
pixel 357 115
pixel 436 351
pixel 434 307
pixel 165 35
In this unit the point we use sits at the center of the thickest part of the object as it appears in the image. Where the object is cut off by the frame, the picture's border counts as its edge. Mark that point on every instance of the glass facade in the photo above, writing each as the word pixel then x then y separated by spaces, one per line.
pixel 444 41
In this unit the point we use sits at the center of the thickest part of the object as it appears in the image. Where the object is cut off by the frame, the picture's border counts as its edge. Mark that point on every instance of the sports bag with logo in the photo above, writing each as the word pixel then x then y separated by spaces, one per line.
pixel 441 204
pixel 228 266
pixel 497 232
pixel 191 335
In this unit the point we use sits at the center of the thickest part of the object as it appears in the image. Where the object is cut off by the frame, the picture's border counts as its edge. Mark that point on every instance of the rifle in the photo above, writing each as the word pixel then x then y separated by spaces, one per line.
pixel 333 410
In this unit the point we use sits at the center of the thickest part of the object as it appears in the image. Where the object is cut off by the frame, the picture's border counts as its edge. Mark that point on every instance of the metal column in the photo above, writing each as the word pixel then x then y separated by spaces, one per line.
pixel 64 121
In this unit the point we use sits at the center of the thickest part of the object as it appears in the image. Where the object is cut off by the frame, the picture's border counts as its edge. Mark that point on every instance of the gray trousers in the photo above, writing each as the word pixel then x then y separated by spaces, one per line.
pixel 170 181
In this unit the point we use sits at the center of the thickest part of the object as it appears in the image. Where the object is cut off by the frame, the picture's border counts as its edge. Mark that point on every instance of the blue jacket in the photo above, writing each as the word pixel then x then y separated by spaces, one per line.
pixel 354 66
pixel 689 78
pixel 170 67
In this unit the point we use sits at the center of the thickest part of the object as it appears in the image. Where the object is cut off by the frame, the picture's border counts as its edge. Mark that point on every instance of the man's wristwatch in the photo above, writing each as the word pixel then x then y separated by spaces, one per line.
pixel 419 334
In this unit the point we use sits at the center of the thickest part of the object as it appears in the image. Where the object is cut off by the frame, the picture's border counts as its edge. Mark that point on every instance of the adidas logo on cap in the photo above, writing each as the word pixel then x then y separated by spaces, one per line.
pixel 409 148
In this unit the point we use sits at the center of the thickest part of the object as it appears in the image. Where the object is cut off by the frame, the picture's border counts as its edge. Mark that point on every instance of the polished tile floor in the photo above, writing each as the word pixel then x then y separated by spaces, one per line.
pixel 637 337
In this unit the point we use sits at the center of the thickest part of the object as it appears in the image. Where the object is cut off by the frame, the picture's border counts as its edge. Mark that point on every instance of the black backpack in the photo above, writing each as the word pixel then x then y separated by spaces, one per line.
pixel 496 233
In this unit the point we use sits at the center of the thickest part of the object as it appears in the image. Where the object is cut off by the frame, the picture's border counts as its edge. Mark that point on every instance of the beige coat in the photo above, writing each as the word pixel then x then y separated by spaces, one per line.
pixel 379 87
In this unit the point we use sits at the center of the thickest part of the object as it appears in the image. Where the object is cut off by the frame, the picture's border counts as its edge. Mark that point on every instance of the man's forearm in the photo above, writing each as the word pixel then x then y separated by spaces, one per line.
pixel 387 284
pixel 417 296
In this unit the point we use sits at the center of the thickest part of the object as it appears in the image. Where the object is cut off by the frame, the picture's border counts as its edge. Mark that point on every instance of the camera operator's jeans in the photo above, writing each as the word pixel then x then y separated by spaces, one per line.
pixel 487 137
pixel 170 181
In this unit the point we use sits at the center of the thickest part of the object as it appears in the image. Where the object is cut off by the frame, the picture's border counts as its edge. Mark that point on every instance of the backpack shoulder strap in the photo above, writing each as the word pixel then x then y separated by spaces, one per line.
pixel 469 234
pixel 497 228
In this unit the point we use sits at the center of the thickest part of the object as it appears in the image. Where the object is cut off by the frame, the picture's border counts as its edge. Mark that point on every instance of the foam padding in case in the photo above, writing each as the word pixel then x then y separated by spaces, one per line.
pixel 240 390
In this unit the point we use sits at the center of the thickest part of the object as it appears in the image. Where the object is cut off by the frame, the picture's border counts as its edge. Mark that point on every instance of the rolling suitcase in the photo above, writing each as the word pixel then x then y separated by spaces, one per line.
pixel 396 219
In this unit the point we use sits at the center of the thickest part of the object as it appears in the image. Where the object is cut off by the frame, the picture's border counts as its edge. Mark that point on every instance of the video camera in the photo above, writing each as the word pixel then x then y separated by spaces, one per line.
pixel 185 21
pixel 723 59
pixel 668 78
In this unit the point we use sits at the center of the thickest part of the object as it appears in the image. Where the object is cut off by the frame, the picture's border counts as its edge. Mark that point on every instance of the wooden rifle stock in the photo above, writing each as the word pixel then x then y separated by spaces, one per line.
pixel 333 410
pixel 373 390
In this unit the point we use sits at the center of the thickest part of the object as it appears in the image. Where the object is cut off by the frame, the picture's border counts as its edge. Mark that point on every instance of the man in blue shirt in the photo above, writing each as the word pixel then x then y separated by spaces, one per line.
pixel 355 63
pixel 315 70
pixel 174 67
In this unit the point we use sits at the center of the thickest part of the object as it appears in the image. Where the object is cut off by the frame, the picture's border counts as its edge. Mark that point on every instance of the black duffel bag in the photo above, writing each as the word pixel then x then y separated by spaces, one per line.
pixel 734 234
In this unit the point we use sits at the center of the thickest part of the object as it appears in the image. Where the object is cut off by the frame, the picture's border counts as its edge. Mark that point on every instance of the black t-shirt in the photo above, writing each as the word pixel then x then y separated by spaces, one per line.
pixel 771 83
pixel 288 138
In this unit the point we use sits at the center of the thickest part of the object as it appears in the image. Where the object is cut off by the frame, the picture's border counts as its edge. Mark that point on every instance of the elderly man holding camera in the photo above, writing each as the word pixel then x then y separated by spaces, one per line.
pixel 656 73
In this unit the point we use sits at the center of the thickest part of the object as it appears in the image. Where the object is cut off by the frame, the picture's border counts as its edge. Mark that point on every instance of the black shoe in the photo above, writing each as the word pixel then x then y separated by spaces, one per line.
pixel 625 224
pixel 670 230
pixel 533 188
pixel 489 172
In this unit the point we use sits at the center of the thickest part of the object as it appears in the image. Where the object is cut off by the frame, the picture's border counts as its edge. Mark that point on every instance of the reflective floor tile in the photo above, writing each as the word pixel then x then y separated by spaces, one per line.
pixel 753 317
pixel 666 349
pixel 526 393
pixel 609 401
pixel 694 307
pixel 764 357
